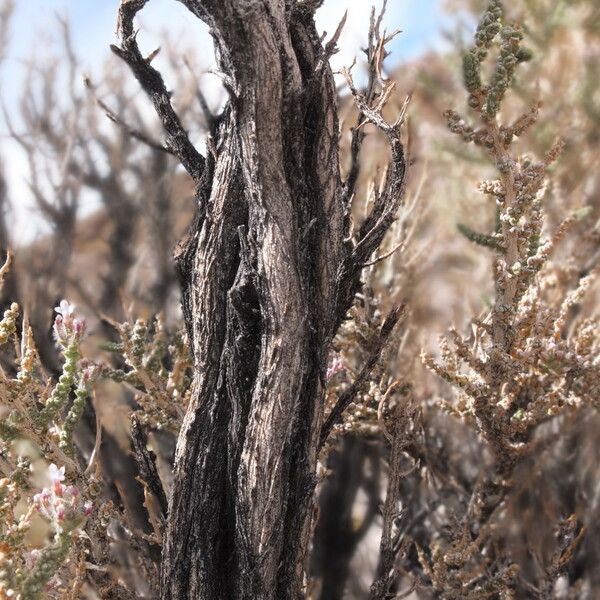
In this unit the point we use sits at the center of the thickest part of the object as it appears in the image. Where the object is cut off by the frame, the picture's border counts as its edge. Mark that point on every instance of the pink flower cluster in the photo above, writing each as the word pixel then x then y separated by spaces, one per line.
pixel 61 504
pixel 67 327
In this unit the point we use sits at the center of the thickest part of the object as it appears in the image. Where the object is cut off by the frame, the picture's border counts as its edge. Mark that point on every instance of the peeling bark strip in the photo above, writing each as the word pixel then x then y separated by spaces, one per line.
pixel 269 271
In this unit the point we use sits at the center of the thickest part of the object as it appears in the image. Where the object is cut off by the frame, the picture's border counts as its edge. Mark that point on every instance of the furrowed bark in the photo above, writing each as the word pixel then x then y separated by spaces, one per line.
pixel 199 545
pixel 267 276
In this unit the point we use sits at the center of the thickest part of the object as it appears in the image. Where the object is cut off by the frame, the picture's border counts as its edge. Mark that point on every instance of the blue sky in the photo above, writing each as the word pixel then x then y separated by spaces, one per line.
pixel 93 27
pixel 93 23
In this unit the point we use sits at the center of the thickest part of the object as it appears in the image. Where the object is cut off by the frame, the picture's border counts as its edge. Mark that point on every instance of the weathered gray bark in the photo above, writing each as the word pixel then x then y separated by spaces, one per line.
pixel 268 272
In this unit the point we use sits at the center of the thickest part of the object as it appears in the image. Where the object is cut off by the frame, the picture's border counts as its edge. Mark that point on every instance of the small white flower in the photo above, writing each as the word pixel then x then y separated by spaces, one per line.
pixel 56 474
pixel 65 309
pixel 67 327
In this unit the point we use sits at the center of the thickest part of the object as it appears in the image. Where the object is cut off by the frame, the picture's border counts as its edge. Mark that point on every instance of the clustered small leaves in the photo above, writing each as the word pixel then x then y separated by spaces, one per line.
pixel 511 53
pixel 356 342
pixel 527 361
pixel 158 370
pixel 31 413
pixel 40 419
pixel 8 323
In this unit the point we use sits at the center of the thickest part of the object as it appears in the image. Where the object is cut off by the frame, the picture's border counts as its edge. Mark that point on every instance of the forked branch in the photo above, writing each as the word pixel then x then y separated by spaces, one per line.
pixel 153 84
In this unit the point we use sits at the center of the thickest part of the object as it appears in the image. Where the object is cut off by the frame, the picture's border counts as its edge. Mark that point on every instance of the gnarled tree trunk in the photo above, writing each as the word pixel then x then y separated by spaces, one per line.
pixel 268 272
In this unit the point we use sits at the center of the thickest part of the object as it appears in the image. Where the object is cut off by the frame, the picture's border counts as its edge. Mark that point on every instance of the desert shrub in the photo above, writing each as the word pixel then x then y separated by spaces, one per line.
pixel 526 363
pixel 56 525
pixel 475 476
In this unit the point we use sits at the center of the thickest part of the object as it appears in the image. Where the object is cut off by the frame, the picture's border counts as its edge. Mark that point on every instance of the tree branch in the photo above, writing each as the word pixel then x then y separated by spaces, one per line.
pixel 346 398
pixel 128 129
pixel 153 84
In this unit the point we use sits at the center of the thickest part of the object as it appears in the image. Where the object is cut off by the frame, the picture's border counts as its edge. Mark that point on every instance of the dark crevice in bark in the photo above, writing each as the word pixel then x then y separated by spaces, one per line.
pixel 241 368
